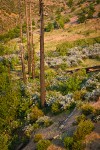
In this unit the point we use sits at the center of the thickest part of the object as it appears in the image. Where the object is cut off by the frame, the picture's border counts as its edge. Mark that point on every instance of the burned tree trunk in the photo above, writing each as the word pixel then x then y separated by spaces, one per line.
pixel 42 75
pixel 31 62
pixel 33 59
pixel 21 42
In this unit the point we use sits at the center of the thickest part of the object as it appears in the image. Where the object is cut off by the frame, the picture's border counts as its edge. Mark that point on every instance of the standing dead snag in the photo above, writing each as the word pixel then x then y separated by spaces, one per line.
pixel 31 63
pixel 42 75
pixel 21 41
pixel 33 60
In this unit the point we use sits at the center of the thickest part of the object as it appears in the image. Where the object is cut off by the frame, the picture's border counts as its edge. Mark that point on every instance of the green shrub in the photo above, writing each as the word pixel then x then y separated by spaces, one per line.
pixel 35 113
pixel 87 109
pixel 70 3
pixel 78 95
pixel 55 108
pixel 43 144
pixel 49 27
pixel 84 128
pixel 91 11
pixel 37 137
pixel 68 141
pixel 35 126
pixel 66 19
pixel 98 1
pixel 80 118
pixel 77 145
pixel 61 23
pixel 81 17
pixel 62 48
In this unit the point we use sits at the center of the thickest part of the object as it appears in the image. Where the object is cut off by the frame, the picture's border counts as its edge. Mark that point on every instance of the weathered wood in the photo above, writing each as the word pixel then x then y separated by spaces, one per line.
pixel 88 69
pixel 42 75
pixel 21 42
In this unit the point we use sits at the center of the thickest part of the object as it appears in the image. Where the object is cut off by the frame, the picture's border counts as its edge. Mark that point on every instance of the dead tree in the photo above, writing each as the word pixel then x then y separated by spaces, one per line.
pixel 42 75
pixel 21 41
pixel 33 59
pixel 31 62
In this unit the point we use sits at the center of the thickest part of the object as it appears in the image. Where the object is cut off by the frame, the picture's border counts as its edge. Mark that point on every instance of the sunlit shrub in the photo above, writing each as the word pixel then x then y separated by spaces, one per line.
pixel 87 109
pixel 37 137
pixel 80 118
pixel 84 128
pixel 35 113
pixel 55 108
pixel 68 141
pixel 43 144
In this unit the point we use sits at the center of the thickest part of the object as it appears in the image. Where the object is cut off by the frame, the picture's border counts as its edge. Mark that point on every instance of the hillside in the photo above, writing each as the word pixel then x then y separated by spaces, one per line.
pixel 70 116
pixel 53 8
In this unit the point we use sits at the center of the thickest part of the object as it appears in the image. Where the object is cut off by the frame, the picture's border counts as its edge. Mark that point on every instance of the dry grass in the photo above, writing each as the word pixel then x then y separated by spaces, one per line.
pixel 53 147
pixel 71 33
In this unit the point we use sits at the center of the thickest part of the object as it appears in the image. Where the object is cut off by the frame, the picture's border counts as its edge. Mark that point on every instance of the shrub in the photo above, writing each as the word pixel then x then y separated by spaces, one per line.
pixel 87 109
pixel 49 27
pixel 35 126
pixel 37 137
pixel 45 121
pixel 84 128
pixel 43 144
pixel 98 1
pixel 91 11
pixel 61 23
pixel 66 19
pixel 78 95
pixel 70 3
pixel 35 113
pixel 68 141
pixel 81 17
pixel 77 145
pixel 80 118
pixel 55 108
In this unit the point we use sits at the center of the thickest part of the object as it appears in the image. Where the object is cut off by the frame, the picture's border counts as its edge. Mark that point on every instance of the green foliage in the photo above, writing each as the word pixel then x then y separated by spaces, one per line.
pixel 4 141
pixel 49 27
pixel 98 1
pixel 35 126
pixel 84 128
pixel 63 47
pixel 37 137
pixel 43 144
pixel 70 3
pixel 14 33
pixel 73 83
pixel 35 113
pixel 81 118
pixel 91 11
pixel 87 109
pixel 81 17
pixel 61 23
pixel 55 108
pixel 66 19
pixel 77 145
pixel 5 50
pixel 68 142
pixel 78 95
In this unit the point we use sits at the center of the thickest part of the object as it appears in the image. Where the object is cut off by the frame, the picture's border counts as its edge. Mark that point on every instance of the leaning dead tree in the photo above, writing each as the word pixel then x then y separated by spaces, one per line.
pixel 42 74
pixel 21 40
pixel 31 62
